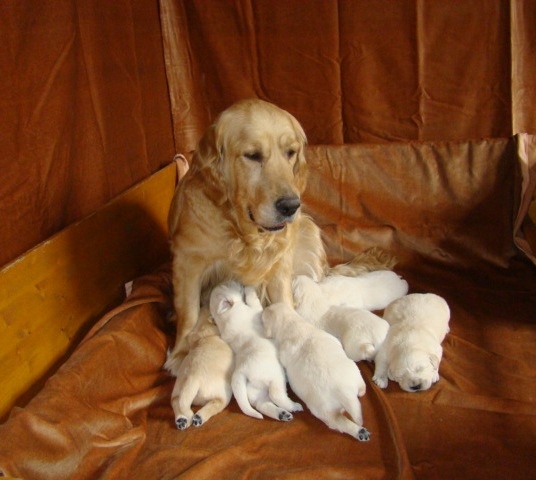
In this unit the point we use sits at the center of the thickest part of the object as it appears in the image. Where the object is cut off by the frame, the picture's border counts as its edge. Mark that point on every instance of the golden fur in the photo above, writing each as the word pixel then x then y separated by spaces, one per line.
pixel 225 221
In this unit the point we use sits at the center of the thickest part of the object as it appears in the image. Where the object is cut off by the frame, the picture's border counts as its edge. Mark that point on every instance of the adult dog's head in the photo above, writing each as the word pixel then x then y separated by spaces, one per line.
pixel 253 158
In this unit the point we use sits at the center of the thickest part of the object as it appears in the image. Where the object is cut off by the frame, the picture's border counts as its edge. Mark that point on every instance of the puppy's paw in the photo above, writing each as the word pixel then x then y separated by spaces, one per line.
pixel 435 377
pixel 380 381
pixel 363 435
pixel 296 407
pixel 181 422
pixel 285 416
pixel 197 421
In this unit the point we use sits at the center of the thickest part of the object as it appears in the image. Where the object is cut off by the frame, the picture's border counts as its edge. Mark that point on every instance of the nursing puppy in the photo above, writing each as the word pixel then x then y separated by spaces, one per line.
pixel 318 370
pixel 369 291
pixel 204 377
pixel 258 378
pixel 411 352
pixel 361 332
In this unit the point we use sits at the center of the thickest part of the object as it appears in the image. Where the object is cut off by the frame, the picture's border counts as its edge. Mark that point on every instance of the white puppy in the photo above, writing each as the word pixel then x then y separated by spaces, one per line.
pixel 411 352
pixel 258 378
pixel 203 377
pixel 369 291
pixel 318 370
pixel 361 332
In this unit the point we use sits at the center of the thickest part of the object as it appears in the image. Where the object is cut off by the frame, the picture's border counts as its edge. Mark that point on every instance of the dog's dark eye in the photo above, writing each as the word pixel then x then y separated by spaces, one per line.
pixel 254 156
pixel 291 153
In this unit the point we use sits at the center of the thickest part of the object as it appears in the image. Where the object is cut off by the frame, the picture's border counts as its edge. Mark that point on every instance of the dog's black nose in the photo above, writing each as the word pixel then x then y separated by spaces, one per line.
pixel 287 206
pixel 416 387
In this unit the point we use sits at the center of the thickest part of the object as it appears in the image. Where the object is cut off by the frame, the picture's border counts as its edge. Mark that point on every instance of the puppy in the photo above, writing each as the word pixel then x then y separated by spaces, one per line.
pixel 411 352
pixel 318 370
pixel 361 332
pixel 258 378
pixel 369 291
pixel 204 377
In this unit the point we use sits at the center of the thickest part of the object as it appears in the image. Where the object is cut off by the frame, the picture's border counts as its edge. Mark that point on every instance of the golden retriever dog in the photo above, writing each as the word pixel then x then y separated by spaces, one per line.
pixel 236 213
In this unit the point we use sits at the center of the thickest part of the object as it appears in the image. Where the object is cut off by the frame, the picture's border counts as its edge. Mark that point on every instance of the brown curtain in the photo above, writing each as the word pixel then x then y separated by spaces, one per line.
pixel 84 110
pixel 355 71
pixel 95 96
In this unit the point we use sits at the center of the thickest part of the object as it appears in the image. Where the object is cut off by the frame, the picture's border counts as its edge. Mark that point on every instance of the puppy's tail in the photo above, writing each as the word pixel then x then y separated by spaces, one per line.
pixel 370 260
pixel 240 392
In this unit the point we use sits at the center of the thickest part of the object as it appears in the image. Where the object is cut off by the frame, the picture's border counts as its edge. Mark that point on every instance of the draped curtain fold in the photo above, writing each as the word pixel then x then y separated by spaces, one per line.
pixel 353 71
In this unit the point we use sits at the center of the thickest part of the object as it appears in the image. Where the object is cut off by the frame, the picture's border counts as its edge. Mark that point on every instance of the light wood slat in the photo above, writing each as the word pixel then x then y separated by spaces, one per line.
pixel 50 296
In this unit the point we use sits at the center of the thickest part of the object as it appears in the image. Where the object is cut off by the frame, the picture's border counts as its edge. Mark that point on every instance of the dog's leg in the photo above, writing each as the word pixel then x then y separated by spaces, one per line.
pixel 182 398
pixel 337 421
pixel 270 409
pixel 370 260
pixel 240 392
pixel 278 394
pixel 381 367
pixel 187 293
pixel 279 288
pixel 211 408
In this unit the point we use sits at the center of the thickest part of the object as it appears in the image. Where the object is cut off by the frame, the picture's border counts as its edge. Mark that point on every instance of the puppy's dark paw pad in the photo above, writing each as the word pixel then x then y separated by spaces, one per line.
pixel 182 423
pixel 285 416
pixel 197 421
pixel 363 435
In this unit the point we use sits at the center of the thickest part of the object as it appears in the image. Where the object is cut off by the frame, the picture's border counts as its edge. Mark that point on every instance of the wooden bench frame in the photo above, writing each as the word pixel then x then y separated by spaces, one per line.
pixel 51 295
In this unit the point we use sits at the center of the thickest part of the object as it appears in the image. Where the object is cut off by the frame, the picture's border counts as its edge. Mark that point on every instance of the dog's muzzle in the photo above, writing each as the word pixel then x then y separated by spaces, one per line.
pixel 285 208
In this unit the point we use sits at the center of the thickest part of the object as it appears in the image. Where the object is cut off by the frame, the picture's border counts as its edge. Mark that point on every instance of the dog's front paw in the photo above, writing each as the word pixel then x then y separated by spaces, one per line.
pixel 182 423
pixel 363 435
pixel 297 407
pixel 197 421
pixel 285 416
pixel 380 381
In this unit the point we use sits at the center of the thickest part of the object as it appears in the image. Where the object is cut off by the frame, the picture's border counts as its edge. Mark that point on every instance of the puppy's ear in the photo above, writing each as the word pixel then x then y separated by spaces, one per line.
pixel 434 361
pixel 224 305
pixel 266 316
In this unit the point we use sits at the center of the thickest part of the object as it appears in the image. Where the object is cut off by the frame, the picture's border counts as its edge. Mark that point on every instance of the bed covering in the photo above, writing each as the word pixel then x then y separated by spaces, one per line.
pixel 106 412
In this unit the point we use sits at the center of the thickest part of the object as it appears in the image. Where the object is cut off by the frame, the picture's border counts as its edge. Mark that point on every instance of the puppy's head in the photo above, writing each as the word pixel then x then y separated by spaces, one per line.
pixel 414 371
pixel 253 157
pixel 224 297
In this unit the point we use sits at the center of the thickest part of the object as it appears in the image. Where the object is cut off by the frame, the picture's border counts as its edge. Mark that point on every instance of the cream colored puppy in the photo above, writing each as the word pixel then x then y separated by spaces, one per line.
pixel 258 378
pixel 411 352
pixel 369 291
pixel 361 332
pixel 318 370
pixel 204 377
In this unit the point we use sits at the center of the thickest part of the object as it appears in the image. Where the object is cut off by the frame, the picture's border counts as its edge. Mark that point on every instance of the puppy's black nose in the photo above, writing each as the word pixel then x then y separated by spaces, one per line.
pixel 416 387
pixel 288 205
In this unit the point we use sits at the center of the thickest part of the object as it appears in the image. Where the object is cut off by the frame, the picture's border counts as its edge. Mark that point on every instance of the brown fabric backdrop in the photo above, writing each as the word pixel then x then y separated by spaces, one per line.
pixel 85 107
pixel 84 111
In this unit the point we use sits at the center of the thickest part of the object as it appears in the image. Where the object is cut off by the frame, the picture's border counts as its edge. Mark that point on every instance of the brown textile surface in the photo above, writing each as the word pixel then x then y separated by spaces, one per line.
pixel 95 96
pixel 106 413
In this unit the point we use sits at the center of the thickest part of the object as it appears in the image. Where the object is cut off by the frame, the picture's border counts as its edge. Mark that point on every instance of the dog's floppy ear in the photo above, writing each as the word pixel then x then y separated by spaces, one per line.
pixel 208 158
pixel 300 167
pixel 434 361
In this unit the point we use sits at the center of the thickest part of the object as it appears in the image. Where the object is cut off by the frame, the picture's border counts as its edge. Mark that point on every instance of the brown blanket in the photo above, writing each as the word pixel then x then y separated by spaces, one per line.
pixel 448 211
